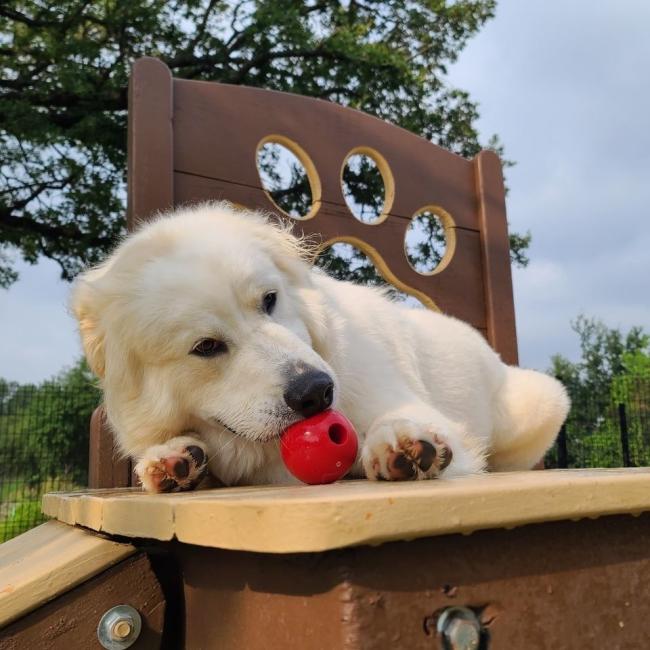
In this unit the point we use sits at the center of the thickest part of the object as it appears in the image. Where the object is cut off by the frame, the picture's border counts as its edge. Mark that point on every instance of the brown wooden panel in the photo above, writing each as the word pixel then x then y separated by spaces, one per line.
pixel 106 468
pixel 569 585
pixel 544 586
pixel 263 601
pixel 497 274
pixel 70 621
pixel 457 290
pixel 217 128
pixel 150 183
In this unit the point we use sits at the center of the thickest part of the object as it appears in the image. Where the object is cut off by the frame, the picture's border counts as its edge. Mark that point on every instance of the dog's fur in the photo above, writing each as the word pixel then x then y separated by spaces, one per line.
pixel 400 375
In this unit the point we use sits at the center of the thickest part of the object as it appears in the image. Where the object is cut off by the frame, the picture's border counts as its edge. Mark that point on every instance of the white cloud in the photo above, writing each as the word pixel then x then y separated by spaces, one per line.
pixel 565 86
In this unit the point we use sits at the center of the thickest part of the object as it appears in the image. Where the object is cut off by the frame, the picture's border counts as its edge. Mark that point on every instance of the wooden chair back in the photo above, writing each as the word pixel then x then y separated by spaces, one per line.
pixel 193 141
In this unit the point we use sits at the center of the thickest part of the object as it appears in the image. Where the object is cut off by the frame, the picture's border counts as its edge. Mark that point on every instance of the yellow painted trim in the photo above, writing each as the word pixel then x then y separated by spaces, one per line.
pixel 383 268
pixel 386 174
pixel 310 168
pixel 450 238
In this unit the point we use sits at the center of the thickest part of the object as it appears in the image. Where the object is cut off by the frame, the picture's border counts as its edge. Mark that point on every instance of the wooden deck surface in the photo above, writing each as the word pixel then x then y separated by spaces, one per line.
pixel 48 560
pixel 278 519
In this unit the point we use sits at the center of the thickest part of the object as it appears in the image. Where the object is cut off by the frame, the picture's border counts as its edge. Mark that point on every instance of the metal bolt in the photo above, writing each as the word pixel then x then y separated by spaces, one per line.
pixel 119 627
pixel 122 629
pixel 459 629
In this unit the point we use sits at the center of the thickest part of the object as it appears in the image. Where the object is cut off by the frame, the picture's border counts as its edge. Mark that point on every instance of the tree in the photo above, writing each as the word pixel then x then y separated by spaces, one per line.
pixel 614 368
pixel 606 353
pixel 63 92
pixel 44 429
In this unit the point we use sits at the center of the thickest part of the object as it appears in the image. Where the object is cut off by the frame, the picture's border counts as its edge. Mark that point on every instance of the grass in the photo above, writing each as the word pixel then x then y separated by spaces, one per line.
pixel 20 504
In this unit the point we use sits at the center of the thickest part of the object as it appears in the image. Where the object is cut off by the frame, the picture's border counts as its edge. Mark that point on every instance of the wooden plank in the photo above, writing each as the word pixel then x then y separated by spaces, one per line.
pixel 285 519
pixel 537 587
pixel 70 621
pixel 49 560
pixel 218 127
pixel 497 274
pixel 150 141
pixel 456 288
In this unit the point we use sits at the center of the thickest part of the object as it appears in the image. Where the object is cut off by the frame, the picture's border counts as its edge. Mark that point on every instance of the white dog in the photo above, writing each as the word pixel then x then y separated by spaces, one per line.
pixel 212 334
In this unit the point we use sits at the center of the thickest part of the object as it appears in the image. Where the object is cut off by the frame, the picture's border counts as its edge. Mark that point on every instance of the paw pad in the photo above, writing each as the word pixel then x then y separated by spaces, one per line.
pixel 176 472
pixel 409 459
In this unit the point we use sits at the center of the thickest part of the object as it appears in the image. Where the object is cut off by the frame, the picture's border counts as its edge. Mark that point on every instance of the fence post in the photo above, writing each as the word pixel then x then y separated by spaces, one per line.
pixel 625 442
pixel 562 451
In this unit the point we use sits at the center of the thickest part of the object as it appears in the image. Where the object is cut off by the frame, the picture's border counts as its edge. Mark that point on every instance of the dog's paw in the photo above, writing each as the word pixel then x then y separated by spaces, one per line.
pixel 402 450
pixel 177 466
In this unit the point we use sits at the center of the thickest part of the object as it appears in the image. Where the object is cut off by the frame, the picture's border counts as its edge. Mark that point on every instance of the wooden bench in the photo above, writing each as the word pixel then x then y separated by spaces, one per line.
pixel 552 559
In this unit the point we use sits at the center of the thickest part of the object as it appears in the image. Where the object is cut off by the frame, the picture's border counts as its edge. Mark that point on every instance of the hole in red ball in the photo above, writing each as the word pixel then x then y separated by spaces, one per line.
pixel 337 434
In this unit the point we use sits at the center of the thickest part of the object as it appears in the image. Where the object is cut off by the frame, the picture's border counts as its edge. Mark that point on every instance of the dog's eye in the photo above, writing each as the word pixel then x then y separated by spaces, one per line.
pixel 209 348
pixel 268 302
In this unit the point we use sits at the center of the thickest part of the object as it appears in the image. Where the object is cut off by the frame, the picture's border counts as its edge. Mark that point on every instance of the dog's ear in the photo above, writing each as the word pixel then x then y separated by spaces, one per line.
pixel 291 254
pixel 85 304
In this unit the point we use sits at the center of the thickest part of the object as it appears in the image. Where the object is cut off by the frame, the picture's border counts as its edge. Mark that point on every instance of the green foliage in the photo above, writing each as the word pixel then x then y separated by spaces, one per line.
pixel 614 368
pixel 64 68
pixel 21 516
pixel 44 429
pixel 606 353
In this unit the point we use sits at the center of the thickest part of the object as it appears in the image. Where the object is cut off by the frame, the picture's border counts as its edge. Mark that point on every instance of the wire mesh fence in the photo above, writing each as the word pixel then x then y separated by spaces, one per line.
pixel 44 441
pixel 43 447
pixel 612 431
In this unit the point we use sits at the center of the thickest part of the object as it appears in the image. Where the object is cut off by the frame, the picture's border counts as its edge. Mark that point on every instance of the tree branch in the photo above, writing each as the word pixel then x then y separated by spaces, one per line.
pixel 26 224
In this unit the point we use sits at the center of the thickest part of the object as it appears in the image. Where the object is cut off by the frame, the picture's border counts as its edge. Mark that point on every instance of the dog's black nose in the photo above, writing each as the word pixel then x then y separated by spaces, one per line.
pixel 310 392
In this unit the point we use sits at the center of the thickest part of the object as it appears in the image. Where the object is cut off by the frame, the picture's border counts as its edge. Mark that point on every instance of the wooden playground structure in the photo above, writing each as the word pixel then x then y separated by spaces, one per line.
pixel 540 559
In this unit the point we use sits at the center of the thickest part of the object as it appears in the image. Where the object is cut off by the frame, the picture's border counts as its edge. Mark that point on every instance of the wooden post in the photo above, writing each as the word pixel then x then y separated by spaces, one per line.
pixel 150 141
pixel 106 468
pixel 495 247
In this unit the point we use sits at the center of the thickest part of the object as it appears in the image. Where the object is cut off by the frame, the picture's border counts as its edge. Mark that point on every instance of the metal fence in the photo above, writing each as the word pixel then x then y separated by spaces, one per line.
pixel 44 441
pixel 43 447
pixel 606 432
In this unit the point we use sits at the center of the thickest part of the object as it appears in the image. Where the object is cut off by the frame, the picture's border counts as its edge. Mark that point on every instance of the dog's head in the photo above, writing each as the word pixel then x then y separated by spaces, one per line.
pixel 208 316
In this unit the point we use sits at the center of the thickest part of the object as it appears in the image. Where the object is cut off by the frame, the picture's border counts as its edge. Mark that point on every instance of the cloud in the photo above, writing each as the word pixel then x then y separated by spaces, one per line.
pixel 560 83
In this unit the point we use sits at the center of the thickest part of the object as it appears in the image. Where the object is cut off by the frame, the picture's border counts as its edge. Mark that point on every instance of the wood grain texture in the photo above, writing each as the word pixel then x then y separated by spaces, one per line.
pixel 457 290
pixel 495 245
pixel 217 128
pixel 70 621
pixel 264 601
pixel 543 586
pixel 49 560
pixel 106 467
pixel 150 141
pixel 317 518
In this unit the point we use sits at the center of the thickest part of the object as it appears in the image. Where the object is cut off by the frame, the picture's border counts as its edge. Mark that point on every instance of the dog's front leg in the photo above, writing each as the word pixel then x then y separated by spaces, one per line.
pixel 177 465
pixel 416 441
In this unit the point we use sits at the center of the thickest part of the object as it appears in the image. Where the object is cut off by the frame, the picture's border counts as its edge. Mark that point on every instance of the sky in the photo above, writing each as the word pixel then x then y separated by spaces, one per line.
pixel 566 87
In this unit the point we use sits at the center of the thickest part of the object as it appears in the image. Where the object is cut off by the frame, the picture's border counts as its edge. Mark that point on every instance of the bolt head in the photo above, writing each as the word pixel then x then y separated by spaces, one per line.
pixel 462 634
pixel 459 629
pixel 119 627
pixel 122 629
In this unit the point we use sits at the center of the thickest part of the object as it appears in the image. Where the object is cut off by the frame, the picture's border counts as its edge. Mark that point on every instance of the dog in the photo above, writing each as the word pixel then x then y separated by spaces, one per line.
pixel 211 333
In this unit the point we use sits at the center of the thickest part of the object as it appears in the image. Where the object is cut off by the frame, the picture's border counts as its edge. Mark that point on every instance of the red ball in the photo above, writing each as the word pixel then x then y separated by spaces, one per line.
pixel 320 449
